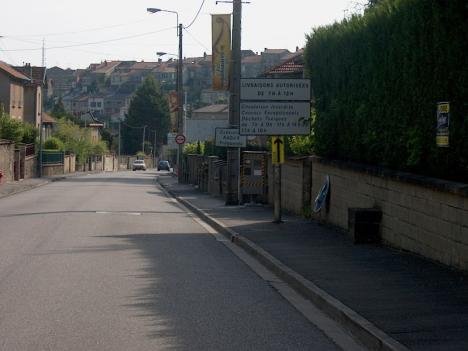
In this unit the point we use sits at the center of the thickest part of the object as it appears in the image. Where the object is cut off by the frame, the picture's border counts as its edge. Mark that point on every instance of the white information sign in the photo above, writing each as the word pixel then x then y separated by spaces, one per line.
pixel 275 89
pixel 230 137
pixel 171 144
pixel 274 118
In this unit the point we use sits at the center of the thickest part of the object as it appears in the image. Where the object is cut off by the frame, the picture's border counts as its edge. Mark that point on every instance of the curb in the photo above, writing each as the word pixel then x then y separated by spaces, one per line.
pixel 363 330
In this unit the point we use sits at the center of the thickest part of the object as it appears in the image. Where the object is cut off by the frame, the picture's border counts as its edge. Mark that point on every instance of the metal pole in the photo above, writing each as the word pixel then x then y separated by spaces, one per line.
pixel 180 97
pixel 277 193
pixel 154 150
pixel 41 126
pixel 143 142
pixel 118 161
pixel 232 196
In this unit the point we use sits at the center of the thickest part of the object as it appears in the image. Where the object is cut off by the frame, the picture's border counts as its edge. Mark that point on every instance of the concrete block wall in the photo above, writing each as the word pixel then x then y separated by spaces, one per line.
pixel 422 215
pixel 296 185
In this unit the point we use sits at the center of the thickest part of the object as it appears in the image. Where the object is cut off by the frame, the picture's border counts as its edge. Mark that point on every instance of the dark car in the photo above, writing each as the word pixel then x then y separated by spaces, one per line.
pixel 164 166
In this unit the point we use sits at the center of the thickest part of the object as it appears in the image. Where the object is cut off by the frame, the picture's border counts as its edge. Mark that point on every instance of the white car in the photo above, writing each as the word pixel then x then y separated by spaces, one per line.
pixel 139 165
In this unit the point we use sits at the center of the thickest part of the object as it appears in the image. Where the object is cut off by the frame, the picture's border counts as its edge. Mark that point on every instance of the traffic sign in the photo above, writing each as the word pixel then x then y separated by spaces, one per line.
pixel 274 118
pixel 275 89
pixel 277 149
pixel 180 139
pixel 229 137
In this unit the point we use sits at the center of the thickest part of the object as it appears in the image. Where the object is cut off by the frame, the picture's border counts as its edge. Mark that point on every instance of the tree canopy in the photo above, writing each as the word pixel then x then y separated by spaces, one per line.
pixel 148 108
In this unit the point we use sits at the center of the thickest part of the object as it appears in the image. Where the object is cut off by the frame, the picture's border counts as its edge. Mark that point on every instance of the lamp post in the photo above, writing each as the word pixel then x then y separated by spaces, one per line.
pixel 180 127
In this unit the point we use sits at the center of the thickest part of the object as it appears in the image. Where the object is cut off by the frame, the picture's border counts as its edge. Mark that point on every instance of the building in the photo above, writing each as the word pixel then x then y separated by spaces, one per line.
pixel 61 80
pixel 292 66
pixel 12 85
pixel 33 93
pixel 204 121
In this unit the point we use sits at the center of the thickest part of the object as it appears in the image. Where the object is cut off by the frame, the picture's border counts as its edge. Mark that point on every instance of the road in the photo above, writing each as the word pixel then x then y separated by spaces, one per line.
pixel 109 262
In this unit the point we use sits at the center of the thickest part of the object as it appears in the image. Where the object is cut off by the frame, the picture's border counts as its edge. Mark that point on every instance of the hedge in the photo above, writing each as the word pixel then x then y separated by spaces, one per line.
pixel 377 78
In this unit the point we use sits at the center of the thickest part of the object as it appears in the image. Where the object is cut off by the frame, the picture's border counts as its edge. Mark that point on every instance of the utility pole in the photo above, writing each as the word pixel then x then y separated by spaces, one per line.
pixel 180 97
pixel 233 153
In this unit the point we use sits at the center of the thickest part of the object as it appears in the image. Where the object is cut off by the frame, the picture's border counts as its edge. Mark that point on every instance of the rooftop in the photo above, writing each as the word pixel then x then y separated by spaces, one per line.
pixel 217 108
pixel 12 72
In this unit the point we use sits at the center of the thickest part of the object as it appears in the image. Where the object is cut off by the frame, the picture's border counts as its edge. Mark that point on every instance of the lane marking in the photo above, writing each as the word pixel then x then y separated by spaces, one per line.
pixel 118 212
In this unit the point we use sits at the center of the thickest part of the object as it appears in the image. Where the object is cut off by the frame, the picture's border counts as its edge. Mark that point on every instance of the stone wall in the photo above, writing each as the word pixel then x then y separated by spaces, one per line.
pixel 422 215
pixel 7 150
pixel 30 167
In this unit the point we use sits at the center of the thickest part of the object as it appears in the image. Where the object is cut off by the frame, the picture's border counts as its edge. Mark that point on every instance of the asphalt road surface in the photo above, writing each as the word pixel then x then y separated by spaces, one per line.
pixel 108 262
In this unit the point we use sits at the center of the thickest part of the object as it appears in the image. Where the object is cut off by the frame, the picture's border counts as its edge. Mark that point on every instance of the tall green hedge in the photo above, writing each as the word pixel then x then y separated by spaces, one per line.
pixel 377 79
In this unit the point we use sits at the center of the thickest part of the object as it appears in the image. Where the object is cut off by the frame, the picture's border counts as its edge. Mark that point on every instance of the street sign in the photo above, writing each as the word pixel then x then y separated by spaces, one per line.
pixel 229 137
pixel 277 149
pixel 274 118
pixel 171 144
pixel 180 139
pixel 275 89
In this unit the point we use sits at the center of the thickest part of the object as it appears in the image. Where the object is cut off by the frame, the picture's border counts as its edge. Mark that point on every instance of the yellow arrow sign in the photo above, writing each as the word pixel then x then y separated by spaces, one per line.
pixel 277 149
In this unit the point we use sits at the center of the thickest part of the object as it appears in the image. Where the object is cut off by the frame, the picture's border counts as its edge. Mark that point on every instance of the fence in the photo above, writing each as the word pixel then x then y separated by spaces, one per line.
pixel 52 157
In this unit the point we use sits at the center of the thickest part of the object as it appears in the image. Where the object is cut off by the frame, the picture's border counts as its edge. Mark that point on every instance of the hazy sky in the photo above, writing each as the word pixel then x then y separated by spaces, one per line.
pixel 124 30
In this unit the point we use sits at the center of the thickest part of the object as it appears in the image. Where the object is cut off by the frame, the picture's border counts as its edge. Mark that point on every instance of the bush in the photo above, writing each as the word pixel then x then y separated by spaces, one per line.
pixel 53 143
pixel 377 78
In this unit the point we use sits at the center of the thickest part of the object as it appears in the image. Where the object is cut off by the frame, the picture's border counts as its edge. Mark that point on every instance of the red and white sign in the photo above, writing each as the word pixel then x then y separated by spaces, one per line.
pixel 180 139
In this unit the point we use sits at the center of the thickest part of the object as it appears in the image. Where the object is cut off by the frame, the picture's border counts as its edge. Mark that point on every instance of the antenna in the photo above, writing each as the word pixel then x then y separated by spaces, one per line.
pixel 43 53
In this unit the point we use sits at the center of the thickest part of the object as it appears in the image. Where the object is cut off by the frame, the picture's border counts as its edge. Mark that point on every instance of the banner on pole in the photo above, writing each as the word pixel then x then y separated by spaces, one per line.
pixel 221 50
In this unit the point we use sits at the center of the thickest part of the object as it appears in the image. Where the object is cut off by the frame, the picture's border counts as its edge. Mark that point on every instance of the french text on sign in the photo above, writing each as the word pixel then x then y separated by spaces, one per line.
pixel 274 118
pixel 229 137
pixel 275 89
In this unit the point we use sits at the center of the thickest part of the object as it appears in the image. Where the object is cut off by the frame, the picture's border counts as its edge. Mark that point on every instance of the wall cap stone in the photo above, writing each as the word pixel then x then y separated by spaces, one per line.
pixel 436 184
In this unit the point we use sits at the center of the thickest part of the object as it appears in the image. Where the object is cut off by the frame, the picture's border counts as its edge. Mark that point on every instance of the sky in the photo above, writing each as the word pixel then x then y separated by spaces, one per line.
pixel 77 33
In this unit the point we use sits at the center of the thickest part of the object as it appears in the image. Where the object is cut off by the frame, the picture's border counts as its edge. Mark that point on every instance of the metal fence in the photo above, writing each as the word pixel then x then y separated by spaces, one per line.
pixel 52 157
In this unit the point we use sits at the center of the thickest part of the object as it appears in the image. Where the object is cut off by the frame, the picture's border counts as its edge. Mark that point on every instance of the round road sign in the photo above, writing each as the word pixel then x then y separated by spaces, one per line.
pixel 180 139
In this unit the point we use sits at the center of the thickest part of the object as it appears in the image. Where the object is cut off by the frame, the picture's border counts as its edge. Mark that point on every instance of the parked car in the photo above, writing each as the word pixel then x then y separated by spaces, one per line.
pixel 139 165
pixel 164 165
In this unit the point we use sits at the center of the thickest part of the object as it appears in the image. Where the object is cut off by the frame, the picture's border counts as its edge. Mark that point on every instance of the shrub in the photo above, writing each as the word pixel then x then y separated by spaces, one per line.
pixel 53 143
pixel 377 78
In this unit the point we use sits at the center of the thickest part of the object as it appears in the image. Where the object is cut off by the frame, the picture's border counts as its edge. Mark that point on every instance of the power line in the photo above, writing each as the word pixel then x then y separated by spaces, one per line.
pixel 198 41
pixel 80 31
pixel 95 42
pixel 196 16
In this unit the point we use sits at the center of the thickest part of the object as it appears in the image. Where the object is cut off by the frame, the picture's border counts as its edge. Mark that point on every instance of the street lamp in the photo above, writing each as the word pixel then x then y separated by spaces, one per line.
pixel 180 127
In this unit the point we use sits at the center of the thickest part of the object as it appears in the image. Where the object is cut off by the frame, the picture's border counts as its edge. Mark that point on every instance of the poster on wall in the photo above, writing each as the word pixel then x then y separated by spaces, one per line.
pixel 443 121
pixel 221 50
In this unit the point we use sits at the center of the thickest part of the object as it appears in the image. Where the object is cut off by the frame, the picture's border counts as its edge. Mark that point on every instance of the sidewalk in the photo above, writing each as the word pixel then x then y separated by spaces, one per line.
pixel 15 187
pixel 407 300
pixel 10 188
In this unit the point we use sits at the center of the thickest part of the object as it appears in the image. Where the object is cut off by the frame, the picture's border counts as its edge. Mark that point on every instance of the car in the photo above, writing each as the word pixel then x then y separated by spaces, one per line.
pixel 164 165
pixel 139 165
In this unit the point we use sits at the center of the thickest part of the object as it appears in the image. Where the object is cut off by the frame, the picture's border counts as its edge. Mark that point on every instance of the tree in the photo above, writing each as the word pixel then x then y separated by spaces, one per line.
pixel 58 110
pixel 148 108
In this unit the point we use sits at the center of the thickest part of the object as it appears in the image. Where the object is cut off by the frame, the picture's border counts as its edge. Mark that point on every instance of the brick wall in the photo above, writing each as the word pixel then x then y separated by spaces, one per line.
pixel 422 215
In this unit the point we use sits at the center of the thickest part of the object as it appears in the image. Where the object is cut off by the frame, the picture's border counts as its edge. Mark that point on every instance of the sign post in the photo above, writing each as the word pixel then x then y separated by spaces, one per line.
pixel 277 153
pixel 271 106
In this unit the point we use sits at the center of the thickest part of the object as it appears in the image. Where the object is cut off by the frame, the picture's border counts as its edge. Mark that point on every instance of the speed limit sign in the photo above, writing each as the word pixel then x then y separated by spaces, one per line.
pixel 180 139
